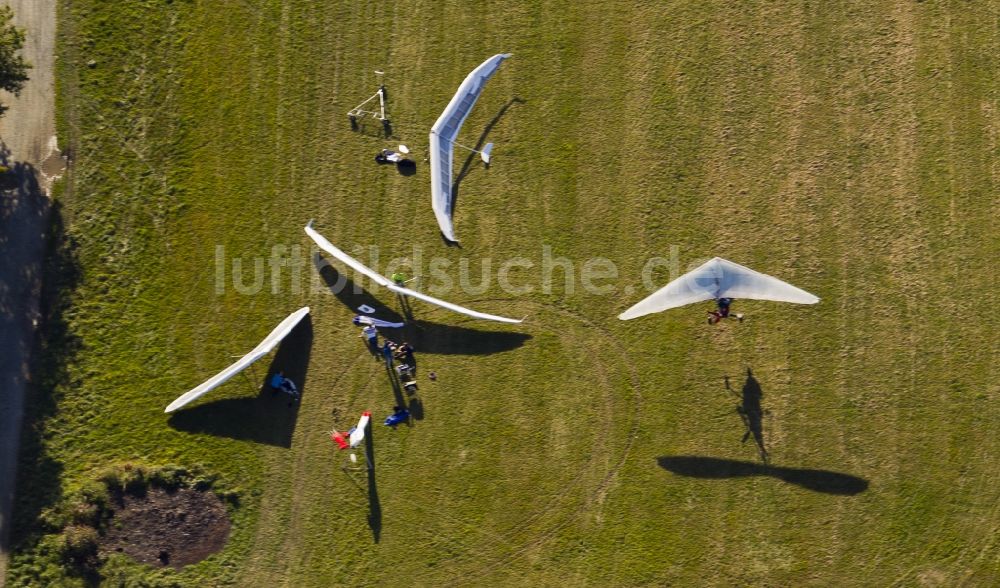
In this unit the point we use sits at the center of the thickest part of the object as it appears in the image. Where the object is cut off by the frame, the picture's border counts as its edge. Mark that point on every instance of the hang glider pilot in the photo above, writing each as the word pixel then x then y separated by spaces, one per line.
pixel 722 312
pixel 388 348
pixel 280 383
pixel 404 352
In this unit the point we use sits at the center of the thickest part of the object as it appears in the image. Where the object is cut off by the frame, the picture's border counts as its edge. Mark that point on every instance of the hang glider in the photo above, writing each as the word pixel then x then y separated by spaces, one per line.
pixel 357 434
pixel 270 342
pixel 357 266
pixel 443 135
pixel 718 278
pixel 370 320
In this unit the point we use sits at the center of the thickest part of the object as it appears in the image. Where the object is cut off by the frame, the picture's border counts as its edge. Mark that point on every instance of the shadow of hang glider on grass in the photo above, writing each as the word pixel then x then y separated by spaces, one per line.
pixel 464 171
pixel 350 293
pixel 425 336
pixel 436 338
pixel 717 469
pixel 264 417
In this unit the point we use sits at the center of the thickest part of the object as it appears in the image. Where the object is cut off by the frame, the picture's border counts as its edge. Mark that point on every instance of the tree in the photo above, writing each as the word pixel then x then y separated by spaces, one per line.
pixel 13 68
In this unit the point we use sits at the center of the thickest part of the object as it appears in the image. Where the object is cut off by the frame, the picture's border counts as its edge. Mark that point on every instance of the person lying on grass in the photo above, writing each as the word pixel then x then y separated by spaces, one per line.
pixel 280 383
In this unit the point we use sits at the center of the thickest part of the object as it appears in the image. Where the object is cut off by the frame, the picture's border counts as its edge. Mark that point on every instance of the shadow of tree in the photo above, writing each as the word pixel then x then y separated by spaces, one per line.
pixel 266 417
pixel 51 352
pixel 714 468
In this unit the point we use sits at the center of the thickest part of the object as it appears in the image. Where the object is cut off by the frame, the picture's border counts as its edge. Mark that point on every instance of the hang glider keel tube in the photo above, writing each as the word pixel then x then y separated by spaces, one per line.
pixel 442 140
pixel 485 153
pixel 270 342
pixel 362 269
pixel 718 278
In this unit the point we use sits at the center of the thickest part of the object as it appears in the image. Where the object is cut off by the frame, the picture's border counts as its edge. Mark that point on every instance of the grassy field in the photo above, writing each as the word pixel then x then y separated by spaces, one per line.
pixel 850 148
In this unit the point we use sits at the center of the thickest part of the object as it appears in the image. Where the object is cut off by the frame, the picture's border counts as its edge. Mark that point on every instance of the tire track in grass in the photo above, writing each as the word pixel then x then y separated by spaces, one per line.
pixel 548 518
pixel 956 550
pixel 530 525
pixel 605 433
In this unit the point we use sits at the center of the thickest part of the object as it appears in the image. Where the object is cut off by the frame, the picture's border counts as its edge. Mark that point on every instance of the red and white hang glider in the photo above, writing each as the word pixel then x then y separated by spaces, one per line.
pixel 355 436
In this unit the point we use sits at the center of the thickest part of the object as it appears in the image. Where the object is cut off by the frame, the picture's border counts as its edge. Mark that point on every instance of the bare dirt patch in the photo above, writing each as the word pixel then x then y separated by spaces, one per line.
pixel 164 528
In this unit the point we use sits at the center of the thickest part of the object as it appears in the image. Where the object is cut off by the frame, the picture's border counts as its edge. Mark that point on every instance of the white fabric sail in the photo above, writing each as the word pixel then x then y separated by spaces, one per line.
pixel 270 342
pixel 442 139
pixel 370 320
pixel 358 433
pixel 718 278
pixel 329 247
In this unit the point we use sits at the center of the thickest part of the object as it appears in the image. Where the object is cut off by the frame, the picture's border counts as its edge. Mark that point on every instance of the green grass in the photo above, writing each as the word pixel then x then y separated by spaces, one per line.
pixel 851 149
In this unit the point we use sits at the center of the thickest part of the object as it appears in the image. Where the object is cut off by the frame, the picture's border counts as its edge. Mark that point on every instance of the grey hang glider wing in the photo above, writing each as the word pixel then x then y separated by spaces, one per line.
pixel 718 278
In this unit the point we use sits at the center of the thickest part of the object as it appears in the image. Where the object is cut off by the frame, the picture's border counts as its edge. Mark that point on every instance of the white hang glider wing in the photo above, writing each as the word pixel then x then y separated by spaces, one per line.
pixel 370 320
pixel 265 347
pixel 357 266
pixel 443 135
pixel 718 278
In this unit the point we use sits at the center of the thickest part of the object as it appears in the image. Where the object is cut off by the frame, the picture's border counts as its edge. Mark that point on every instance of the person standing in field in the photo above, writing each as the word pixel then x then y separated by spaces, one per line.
pixel 370 333
pixel 387 350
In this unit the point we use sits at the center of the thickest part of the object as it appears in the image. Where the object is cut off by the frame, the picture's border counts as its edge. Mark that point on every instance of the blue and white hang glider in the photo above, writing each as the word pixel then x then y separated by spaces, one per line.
pixel 443 134
pixel 270 342
pixel 718 278
pixel 383 281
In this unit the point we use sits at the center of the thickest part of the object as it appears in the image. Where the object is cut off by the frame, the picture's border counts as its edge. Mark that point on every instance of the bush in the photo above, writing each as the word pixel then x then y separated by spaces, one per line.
pixel 79 545
pixel 70 554
pixel 128 477
pixel 169 477
pixel 13 68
